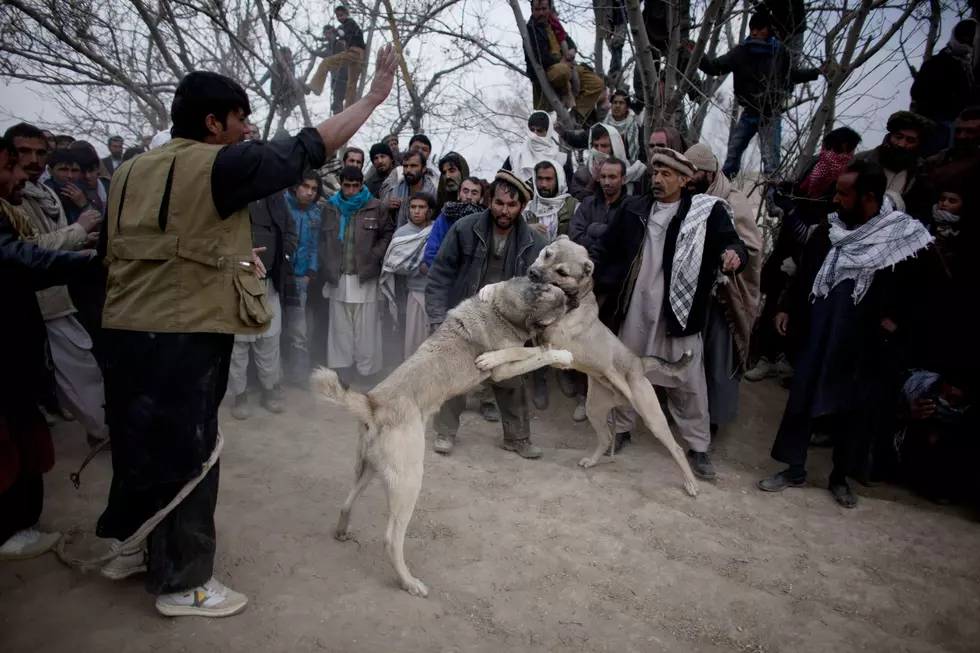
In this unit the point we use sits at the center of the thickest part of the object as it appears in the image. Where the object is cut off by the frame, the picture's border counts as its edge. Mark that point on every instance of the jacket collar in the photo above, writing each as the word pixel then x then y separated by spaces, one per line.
pixel 640 206
pixel 522 234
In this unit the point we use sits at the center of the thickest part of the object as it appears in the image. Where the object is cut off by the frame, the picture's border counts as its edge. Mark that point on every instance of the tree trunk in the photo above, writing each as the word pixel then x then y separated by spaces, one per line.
pixel 643 52
pixel 935 23
pixel 549 94
pixel 600 30
pixel 417 110
pixel 372 28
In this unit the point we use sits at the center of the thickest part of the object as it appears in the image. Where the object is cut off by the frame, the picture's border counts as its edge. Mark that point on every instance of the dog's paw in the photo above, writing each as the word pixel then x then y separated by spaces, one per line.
pixel 586 462
pixel 486 292
pixel 416 588
pixel 562 357
pixel 342 536
pixel 487 361
pixel 691 486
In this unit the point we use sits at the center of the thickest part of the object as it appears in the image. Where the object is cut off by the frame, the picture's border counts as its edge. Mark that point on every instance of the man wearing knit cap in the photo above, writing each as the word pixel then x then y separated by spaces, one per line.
pixel 733 307
pixel 655 267
pixel 382 163
pixel 487 247
pixel 899 153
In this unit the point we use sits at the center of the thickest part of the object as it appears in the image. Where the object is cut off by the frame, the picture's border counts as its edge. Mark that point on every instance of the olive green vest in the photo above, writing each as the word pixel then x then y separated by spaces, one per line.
pixel 174 265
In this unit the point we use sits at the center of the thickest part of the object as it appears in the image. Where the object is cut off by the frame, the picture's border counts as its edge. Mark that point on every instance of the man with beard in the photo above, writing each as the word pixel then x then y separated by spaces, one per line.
pixel 391 140
pixel 469 202
pixel 898 154
pixel 414 180
pixel 78 379
pixel 481 249
pixel 590 221
pixel 549 213
pixel 957 166
pixel 733 307
pixel 382 163
pixel 842 305
pixel 115 158
pixel 660 257
pixel 452 170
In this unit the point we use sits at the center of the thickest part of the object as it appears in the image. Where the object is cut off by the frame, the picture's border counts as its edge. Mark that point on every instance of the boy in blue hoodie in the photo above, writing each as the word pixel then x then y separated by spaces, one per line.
pixel 306 214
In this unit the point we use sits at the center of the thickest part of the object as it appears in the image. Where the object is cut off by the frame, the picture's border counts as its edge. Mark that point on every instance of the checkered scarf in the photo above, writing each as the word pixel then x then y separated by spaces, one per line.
pixel 686 268
pixel 883 241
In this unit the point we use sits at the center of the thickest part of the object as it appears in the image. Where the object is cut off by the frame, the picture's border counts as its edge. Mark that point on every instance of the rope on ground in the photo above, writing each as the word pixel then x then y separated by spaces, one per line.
pixel 143 531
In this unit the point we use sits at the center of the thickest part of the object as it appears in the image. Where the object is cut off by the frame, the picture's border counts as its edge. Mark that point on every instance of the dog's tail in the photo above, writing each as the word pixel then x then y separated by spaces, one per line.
pixel 328 384
pixel 670 368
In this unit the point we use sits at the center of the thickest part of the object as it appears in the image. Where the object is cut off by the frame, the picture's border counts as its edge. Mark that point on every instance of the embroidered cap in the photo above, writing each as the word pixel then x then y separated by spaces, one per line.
pixel 511 178
pixel 702 157
pixel 672 159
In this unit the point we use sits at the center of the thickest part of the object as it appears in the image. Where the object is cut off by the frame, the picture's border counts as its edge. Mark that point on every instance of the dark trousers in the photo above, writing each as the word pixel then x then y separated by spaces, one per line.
pixel 793 440
pixel 511 400
pixel 20 505
pixel 162 396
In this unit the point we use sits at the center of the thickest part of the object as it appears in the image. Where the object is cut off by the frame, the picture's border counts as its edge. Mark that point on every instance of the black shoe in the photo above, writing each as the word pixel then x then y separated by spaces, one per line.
pixel 701 465
pixel 843 494
pixel 567 384
pixel 620 441
pixel 539 393
pixel 781 481
pixel 489 411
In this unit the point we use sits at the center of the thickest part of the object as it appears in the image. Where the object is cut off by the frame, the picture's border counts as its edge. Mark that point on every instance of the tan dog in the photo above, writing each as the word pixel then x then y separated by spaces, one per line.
pixel 617 376
pixel 392 416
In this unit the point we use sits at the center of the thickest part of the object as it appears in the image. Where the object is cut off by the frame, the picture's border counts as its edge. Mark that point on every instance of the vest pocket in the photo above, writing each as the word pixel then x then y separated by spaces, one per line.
pixel 253 308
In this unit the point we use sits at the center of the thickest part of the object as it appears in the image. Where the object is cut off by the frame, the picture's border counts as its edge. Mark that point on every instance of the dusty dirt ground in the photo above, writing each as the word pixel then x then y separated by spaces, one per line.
pixel 523 555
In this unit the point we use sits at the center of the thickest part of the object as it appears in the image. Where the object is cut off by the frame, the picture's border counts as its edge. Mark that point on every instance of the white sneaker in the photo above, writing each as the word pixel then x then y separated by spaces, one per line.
pixel 579 414
pixel 762 370
pixel 28 543
pixel 130 562
pixel 209 600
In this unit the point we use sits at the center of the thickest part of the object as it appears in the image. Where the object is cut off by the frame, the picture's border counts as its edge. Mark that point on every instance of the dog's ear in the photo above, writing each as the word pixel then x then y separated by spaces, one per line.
pixel 561 237
pixel 588 267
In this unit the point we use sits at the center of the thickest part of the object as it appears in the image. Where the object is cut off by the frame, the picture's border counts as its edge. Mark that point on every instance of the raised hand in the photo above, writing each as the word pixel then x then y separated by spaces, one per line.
pixel 384 73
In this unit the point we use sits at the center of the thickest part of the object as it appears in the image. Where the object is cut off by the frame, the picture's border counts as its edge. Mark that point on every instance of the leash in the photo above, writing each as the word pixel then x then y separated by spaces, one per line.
pixel 143 531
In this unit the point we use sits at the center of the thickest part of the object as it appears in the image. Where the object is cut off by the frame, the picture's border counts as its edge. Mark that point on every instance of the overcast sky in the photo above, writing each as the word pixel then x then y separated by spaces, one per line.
pixel 876 95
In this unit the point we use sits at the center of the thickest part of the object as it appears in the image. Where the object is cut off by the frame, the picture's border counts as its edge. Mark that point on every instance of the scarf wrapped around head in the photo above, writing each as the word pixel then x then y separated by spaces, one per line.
pixel 453 211
pixel 597 158
pixel 630 129
pixel 883 241
pixel 824 175
pixel 546 209
pixel 962 52
pixel 535 148
pixel 349 207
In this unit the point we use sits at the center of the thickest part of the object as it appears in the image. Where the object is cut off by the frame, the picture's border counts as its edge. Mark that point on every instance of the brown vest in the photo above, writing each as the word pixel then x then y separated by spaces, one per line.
pixel 174 265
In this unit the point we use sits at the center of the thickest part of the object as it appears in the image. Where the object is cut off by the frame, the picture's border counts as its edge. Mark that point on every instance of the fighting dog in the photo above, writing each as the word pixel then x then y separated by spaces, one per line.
pixel 392 416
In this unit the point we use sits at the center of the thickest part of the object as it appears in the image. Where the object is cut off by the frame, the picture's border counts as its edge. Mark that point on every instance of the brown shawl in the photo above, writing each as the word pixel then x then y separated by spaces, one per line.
pixel 740 294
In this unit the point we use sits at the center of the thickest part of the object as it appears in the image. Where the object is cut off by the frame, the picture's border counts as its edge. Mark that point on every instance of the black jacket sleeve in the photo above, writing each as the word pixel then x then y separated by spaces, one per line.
pixel 251 170
pixel 803 75
pixel 46 267
pixel 442 273
pixel 578 227
pixel 722 65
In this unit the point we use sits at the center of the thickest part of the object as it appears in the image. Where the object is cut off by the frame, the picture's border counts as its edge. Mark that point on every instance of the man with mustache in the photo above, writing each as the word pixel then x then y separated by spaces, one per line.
pixel 898 154
pixel 733 307
pixel 382 163
pixel 480 249
pixel 453 169
pixel 655 267
pixel 841 306
pixel 78 379
pixel 956 166
pixel 413 180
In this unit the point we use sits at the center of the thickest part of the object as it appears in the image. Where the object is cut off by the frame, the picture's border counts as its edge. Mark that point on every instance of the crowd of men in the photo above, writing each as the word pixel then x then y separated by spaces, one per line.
pixel 215 261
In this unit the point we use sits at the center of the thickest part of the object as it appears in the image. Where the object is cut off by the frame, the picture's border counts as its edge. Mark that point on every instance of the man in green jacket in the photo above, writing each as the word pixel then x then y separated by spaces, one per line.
pixel 183 280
